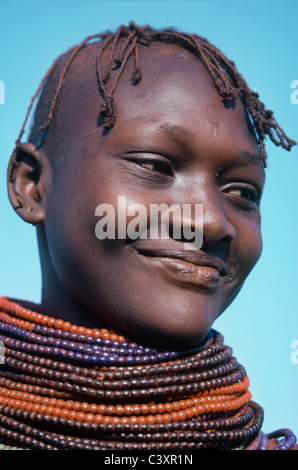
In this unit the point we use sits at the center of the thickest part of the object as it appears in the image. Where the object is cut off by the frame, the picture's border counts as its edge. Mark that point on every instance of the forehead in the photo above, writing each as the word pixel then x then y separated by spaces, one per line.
pixel 176 88
pixel 170 75
pixel 175 94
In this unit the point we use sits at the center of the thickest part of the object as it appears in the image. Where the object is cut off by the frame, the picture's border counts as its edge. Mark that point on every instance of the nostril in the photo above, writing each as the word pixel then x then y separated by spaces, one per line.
pixel 218 234
pixel 216 225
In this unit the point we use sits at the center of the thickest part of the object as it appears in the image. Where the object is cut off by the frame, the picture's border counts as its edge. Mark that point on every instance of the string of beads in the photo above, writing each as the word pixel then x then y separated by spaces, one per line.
pixel 67 387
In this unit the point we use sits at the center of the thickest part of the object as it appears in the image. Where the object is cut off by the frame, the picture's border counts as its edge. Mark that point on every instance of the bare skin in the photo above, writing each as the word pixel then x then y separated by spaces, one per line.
pixel 174 141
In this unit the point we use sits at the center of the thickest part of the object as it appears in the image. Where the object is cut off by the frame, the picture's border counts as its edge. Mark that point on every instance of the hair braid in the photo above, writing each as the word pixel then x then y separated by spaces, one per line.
pixel 227 80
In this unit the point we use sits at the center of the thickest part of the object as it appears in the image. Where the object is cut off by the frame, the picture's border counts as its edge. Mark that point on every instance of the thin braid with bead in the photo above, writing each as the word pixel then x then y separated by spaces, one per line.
pixel 227 80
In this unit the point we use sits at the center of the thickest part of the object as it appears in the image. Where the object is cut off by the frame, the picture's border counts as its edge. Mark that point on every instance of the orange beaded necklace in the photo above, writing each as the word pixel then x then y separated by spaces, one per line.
pixel 69 387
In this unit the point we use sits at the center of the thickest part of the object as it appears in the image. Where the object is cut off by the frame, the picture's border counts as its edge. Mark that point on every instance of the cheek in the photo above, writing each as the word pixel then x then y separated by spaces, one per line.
pixel 245 252
pixel 248 250
pixel 83 230
pixel 254 243
pixel 69 226
pixel 132 218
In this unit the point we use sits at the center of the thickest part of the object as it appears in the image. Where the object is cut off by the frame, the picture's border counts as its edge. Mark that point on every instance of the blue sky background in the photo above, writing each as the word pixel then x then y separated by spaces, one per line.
pixel 261 37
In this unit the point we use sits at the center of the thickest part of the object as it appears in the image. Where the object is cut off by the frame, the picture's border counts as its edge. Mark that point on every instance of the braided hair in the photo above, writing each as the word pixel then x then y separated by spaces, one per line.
pixel 125 43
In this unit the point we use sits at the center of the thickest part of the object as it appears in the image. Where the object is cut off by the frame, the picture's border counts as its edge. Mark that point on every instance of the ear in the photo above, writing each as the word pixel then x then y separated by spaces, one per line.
pixel 25 189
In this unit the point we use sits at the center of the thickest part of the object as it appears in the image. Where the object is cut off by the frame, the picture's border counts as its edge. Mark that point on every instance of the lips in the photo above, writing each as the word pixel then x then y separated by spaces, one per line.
pixel 196 258
pixel 190 266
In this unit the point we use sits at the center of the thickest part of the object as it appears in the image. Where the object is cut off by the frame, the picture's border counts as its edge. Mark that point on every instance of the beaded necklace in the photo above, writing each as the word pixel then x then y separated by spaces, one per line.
pixel 68 387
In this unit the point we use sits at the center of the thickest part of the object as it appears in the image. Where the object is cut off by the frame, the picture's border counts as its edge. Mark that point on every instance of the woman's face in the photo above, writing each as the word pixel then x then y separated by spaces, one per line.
pixel 174 142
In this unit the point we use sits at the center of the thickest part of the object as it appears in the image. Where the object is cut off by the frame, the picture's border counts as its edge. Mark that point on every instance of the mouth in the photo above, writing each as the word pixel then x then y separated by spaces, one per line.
pixel 186 266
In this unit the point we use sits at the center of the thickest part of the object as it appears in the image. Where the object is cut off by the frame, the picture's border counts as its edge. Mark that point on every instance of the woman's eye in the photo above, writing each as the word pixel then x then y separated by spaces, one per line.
pixel 157 165
pixel 244 192
pixel 148 165
pixel 245 195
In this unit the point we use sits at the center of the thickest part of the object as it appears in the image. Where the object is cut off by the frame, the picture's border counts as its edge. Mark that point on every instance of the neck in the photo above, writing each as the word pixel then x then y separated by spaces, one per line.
pixel 56 301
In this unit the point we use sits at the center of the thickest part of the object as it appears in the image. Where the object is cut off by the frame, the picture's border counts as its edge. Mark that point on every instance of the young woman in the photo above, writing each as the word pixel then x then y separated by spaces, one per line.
pixel 121 353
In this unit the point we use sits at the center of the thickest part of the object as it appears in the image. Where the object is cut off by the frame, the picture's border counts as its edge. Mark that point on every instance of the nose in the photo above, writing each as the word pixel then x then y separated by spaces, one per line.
pixel 215 224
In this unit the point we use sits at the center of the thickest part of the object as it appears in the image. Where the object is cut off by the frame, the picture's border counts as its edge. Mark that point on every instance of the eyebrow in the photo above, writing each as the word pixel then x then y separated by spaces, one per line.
pixel 251 158
pixel 174 130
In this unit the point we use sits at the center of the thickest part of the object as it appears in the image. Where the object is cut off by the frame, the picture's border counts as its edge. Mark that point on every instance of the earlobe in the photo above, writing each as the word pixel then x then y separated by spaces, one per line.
pixel 24 183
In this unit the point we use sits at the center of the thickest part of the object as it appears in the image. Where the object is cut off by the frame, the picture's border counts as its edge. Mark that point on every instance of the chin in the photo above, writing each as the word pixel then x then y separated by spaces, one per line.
pixel 171 337
pixel 181 323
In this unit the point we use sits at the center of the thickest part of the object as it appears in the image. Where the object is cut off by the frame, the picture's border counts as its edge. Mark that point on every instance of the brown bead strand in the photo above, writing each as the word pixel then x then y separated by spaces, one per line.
pixel 66 387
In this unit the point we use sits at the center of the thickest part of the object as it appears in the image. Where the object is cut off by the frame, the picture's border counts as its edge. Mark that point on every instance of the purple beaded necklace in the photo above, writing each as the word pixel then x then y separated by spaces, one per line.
pixel 62 387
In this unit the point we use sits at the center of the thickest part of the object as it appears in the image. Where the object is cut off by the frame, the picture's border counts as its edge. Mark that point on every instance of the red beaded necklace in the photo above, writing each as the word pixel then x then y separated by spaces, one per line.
pixel 68 387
